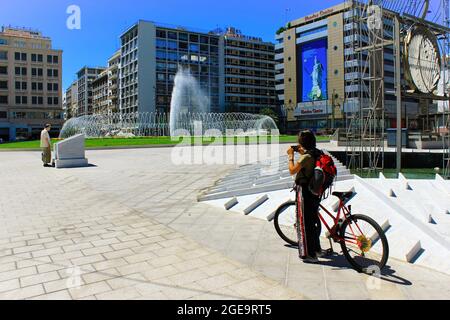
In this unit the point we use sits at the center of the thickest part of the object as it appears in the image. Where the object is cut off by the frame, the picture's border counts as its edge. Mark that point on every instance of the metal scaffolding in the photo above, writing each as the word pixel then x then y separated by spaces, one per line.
pixel 378 28
pixel 371 33
pixel 446 90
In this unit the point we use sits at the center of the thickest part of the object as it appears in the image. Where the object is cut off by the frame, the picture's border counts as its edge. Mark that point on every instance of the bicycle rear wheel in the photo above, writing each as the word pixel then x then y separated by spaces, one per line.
pixel 365 245
pixel 285 222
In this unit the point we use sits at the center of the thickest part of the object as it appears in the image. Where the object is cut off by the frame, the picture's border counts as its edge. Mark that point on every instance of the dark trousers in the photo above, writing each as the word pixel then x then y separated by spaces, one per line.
pixel 312 221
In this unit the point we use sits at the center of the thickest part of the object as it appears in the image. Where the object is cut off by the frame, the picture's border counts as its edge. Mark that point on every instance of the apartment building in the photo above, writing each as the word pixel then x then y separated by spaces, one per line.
pixel 71 101
pixel 100 100
pixel 85 77
pixel 150 56
pixel 113 82
pixel 30 84
pixel 249 72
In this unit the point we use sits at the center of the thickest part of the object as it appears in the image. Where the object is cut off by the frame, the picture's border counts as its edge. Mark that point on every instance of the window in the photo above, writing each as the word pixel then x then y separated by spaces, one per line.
pixel 3 84
pixel 194 47
pixel 55 101
pixel 161 34
pixel 24 57
pixel 49 59
pixel 183 46
pixel 55 59
pixel 40 72
pixel 3 114
pixel 18 99
pixel 204 39
pixel 172 56
pixel 172 35
pixel 160 54
pixel 40 58
pixel 55 87
pixel 24 71
pixel 52 73
pixel 172 45
pixel 49 100
pixel 17 56
pixel 3 55
pixel 17 71
pixel 3 99
pixel 3 42
pixel 161 77
pixel 193 38
pixel 161 43
pixel 3 70
pixel 183 36
pixel 18 85
pixel 33 57
pixel 24 85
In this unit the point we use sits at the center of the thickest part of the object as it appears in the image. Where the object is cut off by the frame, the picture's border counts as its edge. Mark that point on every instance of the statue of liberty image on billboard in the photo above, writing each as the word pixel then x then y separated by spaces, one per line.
pixel 314 80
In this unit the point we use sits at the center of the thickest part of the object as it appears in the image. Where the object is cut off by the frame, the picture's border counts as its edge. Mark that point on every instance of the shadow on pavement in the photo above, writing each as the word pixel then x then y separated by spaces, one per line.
pixel 338 261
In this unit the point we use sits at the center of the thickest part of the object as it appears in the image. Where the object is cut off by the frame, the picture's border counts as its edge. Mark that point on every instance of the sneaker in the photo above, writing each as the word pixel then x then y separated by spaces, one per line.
pixel 322 253
pixel 310 260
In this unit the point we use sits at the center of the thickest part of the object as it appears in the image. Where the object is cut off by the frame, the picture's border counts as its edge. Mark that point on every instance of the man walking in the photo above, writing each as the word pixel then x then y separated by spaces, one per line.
pixel 46 146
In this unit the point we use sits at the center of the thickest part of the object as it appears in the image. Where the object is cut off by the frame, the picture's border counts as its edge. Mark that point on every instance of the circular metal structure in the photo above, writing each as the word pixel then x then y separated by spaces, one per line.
pixel 422 60
pixel 158 124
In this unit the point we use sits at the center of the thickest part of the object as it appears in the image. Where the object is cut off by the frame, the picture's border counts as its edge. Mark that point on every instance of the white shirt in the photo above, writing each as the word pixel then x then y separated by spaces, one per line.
pixel 45 139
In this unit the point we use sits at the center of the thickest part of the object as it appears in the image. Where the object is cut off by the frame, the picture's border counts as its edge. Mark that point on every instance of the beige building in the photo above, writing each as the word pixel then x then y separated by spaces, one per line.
pixel 314 42
pixel 30 84
pixel 105 88
pixel 71 101
pixel 100 93
pixel 113 82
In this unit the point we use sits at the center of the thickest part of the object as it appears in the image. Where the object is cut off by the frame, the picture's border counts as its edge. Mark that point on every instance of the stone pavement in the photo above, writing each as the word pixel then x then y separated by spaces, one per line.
pixel 130 228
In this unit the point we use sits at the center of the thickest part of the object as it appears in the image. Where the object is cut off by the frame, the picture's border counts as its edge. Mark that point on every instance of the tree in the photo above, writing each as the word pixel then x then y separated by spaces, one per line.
pixel 270 113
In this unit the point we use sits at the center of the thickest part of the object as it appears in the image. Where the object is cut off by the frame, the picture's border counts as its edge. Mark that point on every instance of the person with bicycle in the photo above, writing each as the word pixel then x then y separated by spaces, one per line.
pixel 310 224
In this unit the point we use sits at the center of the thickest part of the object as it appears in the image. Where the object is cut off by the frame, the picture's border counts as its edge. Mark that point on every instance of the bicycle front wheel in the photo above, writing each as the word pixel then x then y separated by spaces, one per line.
pixel 285 222
pixel 364 244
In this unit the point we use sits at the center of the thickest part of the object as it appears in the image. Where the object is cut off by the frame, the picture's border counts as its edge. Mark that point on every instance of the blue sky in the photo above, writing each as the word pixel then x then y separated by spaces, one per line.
pixel 103 21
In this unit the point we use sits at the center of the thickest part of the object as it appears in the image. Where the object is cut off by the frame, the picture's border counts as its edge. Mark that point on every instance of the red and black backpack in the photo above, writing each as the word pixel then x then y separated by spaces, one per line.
pixel 325 172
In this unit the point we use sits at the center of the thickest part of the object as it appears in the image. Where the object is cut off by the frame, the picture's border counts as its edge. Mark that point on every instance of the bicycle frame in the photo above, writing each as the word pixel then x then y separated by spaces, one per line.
pixel 346 213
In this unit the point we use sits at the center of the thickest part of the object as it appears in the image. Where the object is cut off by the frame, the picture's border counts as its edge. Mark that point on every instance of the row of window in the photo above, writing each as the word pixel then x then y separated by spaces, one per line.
pixel 35 86
pixel 22 56
pixel 253 73
pixel 249 54
pixel 254 91
pixel 184 46
pixel 192 58
pixel 36 115
pixel 255 100
pixel 255 82
pixel 35 100
pixel 185 37
pixel 248 63
pixel 36 72
pixel 249 45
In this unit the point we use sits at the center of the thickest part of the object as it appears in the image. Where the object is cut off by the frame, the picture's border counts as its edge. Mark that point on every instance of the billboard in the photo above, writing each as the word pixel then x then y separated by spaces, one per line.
pixel 313 63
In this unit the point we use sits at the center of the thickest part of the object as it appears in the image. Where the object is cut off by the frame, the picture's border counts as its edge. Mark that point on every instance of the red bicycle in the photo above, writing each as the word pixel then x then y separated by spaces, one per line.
pixel 363 241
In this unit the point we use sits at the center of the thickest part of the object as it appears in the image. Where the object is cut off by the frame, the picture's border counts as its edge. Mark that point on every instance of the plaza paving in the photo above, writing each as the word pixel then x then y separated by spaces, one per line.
pixel 130 227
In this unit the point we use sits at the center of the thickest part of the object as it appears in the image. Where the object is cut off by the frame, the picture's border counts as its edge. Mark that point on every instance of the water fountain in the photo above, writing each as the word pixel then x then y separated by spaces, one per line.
pixel 189 115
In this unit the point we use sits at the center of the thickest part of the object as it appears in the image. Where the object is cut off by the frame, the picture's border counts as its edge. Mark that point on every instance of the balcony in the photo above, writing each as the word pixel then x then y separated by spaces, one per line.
pixel 279 66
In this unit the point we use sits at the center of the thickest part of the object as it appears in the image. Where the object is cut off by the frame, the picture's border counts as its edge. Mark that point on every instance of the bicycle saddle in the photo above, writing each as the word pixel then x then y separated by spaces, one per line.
pixel 343 195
